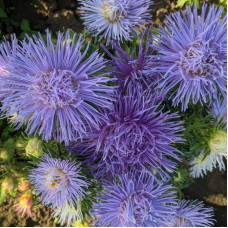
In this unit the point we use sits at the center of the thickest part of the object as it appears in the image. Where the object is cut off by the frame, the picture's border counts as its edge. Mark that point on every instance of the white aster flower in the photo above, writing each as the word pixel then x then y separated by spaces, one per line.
pixel 68 213
pixel 218 150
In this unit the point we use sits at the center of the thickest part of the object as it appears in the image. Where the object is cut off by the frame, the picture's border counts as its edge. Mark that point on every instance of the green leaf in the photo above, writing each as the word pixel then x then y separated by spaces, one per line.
pixel 2 195
pixel 3 13
pixel 181 3
pixel 25 26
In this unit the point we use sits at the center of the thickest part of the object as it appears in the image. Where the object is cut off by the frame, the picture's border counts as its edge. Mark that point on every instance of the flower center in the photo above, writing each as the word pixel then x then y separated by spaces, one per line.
pixel 202 60
pixel 133 148
pixel 56 179
pixel 136 209
pixel 111 12
pixel 56 89
pixel 25 201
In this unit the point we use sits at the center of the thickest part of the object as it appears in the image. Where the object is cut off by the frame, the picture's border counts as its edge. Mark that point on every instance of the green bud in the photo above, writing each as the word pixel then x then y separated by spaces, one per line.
pixel 34 147
pixel 218 143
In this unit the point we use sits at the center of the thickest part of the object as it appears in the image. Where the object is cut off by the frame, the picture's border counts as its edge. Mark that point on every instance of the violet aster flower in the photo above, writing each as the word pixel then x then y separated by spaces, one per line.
pixel 192 214
pixel 130 68
pixel 115 19
pixel 58 182
pixel 55 88
pixel 192 60
pixel 7 50
pixel 135 133
pixel 135 201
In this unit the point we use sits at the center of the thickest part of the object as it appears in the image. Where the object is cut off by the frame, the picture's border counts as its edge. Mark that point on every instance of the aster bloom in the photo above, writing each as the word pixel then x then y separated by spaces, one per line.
pixel 7 50
pixel 192 214
pixel 215 159
pixel 68 213
pixel 192 56
pixel 24 204
pixel 115 19
pixel 8 184
pixel 58 181
pixel 55 88
pixel 131 68
pixel 136 133
pixel 135 201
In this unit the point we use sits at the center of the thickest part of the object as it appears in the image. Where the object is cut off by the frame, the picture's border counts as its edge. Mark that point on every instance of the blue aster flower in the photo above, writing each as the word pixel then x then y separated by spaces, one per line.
pixel 7 50
pixel 192 56
pixel 192 214
pixel 115 19
pixel 135 202
pixel 131 68
pixel 58 182
pixel 56 89
pixel 135 133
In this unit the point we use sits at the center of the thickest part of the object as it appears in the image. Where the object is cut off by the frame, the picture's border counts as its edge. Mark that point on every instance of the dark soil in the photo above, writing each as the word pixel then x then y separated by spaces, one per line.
pixel 212 189
pixel 62 14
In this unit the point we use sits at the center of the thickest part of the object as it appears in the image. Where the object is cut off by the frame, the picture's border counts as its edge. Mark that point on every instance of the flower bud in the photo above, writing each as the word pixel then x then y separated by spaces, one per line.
pixel 4 155
pixel 34 147
pixel 218 143
pixel 23 185
pixel 8 184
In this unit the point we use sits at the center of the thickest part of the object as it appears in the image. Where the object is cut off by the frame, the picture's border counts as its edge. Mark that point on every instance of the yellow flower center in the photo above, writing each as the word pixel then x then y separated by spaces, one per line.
pixel 111 13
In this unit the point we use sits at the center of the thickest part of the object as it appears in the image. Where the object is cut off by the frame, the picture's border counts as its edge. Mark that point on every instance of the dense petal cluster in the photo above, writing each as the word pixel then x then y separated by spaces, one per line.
pixel 136 133
pixel 192 60
pixel 53 89
pixel 131 68
pixel 136 202
pixel 192 214
pixel 115 19
pixel 58 182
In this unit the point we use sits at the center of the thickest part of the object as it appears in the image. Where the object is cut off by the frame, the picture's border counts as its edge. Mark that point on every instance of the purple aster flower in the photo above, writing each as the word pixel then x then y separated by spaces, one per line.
pixel 56 88
pixel 130 68
pixel 136 202
pixel 192 214
pixel 7 49
pixel 136 133
pixel 115 19
pixel 192 56
pixel 58 182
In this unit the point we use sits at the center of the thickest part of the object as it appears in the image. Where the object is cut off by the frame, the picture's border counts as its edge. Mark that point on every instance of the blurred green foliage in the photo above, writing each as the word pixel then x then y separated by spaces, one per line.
pixel 182 3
